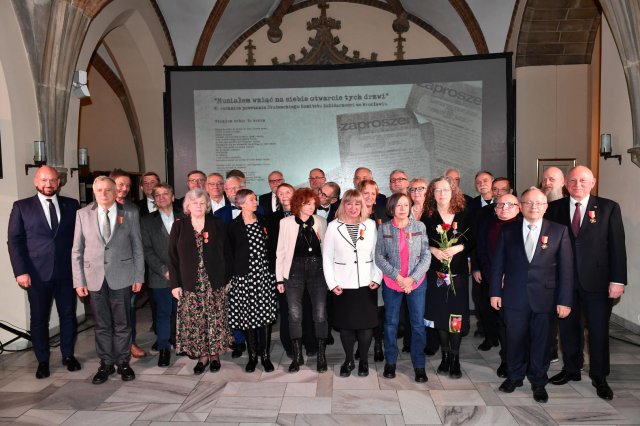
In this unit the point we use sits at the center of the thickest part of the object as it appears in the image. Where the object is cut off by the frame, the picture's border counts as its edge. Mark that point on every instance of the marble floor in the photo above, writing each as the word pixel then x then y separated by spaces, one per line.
pixel 174 395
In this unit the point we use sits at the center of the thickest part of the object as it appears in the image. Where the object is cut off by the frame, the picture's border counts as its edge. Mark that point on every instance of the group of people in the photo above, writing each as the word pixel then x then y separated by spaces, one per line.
pixel 223 263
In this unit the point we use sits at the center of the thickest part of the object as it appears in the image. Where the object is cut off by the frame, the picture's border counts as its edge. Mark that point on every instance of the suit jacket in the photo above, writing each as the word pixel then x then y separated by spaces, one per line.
pixel 599 250
pixel 265 202
pixel 33 248
pixel 155 240
pixel 379 214
pixel 287 243
pixel 183 255
pixel 120 260
pixel 388 252
pixel 225 213
pixel 346 264
pixel 239 242
pixel 485 217
pixel 143 207
pixel 539 285
pixel 473 208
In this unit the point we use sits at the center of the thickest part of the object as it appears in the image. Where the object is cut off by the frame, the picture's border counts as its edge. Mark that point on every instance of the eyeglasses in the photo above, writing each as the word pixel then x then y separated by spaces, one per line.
pixel 441 190
pixel 215 183
pixel 276 180
pixel 505 206
pixel 197 180
pixel 398 180
pixel 532 204
pixel 417 189
pixel 315 177
pixel 322 194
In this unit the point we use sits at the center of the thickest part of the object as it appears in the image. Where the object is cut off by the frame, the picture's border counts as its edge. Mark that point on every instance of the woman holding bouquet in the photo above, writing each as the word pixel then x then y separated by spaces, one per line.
pixel 447 307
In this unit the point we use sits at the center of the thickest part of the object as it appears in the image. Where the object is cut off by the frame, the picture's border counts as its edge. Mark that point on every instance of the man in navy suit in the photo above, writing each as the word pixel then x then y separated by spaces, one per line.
pixel 40 238
pixel 597 238
pixel 269 201
pixel 148 181
pixel 531 281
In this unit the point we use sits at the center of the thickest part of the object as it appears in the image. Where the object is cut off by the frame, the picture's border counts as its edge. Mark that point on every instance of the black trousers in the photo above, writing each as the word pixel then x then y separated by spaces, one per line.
pixel 306 273
pixel 111 313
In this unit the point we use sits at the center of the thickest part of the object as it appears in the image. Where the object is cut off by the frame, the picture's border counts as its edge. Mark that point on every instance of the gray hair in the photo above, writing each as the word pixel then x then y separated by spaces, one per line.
pixel 104 179
pixel 242 195
pixel 195 194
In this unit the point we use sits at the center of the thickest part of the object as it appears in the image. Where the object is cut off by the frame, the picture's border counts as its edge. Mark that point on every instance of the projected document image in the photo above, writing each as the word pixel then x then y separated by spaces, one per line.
pixel 420 128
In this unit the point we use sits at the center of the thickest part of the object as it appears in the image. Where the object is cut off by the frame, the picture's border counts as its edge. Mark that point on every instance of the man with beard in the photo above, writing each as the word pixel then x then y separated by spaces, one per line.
pixel 40 238
pixel 552 184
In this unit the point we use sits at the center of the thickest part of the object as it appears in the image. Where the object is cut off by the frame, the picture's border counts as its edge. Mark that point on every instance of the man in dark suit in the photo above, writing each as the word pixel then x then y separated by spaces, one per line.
pixel 531 281
pixel 363 173
pixel 148 181
pixel 215 189
pixel 597 238
pixel 107 260
pixel 269 201
pixel 155 229
pixel 230 211
pixel 40 237
pixel 329 195
pixel 195 179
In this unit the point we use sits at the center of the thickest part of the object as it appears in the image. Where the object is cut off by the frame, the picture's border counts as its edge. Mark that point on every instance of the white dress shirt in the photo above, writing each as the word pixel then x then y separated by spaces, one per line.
pixel 217 205
pixel 583 208
pixel 274 202
pixel 45 206
pixel 151 205
pixel 113 217
pixel 536 231
pixel 167 221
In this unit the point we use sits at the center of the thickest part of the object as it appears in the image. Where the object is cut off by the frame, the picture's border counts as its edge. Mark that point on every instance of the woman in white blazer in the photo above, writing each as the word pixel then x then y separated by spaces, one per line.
pixel 299 267
pixel 353 278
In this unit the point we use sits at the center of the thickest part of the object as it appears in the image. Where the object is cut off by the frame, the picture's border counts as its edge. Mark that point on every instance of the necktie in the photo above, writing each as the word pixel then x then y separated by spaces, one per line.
pixel 530 243
pixel 575 222
pixel 106 226
pixel 53 216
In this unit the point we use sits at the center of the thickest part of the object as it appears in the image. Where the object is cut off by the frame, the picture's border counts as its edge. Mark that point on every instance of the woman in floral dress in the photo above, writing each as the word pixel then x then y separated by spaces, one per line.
pixel 199 269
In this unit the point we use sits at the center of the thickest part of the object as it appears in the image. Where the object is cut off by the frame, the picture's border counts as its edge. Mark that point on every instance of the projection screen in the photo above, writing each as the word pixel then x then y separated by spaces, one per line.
pixel 419 116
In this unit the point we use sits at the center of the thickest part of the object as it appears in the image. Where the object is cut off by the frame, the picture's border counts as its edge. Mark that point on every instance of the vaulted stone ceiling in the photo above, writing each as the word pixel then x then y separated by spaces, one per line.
pixel 548 32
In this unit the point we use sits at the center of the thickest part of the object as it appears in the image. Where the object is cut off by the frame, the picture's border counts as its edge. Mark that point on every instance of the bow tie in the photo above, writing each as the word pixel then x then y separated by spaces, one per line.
pixel 325 209
pixel 235 208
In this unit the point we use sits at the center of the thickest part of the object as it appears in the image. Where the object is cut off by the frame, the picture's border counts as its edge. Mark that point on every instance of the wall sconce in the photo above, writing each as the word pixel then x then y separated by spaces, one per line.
pixel 605 148
pixel 39 156
pixel 83 160
pixel 79 84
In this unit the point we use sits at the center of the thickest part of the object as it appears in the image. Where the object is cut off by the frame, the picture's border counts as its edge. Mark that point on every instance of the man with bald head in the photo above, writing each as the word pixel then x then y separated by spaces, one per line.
pixel 552 183
pixel 597 238
pixel 40 237
pixel 506 209
pixel 363 173
pixel 531 282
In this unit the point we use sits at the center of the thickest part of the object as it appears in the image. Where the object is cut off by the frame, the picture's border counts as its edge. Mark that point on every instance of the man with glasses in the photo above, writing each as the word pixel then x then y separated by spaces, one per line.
pixel 215 189
pixel 398 182
pixel 148 181
pixel 598 241
pixel 506 210
pixel 316 179
pixel 455 175
pixel 531 283
pixel 269 201
pixel 329 195
pixel 195 179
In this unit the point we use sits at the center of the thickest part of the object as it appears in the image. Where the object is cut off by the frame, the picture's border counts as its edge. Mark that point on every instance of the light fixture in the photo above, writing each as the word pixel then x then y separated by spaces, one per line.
pixel 79 84
pixel 39 156
pixel 606 149
pixel 83 160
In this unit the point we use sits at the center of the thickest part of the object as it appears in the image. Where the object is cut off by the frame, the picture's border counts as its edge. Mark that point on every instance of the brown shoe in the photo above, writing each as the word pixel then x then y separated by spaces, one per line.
pixel 137 351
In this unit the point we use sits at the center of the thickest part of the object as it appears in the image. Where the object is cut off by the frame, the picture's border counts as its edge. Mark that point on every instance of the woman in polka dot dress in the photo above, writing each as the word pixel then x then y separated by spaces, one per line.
pixel 252 296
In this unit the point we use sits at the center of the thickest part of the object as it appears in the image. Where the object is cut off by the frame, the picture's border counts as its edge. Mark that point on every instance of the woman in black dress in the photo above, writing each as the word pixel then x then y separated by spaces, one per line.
pixel 447 308
pixel 252 296
pixel 199 269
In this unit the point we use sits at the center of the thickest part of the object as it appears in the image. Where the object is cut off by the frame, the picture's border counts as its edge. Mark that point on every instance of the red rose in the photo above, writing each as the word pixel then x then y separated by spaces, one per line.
pixel 446 226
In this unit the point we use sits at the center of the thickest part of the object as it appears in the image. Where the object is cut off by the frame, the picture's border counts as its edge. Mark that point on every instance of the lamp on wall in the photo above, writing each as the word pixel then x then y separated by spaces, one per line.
pixel 83 160
pixel 605 148
pixel 39 156
pixel 79 84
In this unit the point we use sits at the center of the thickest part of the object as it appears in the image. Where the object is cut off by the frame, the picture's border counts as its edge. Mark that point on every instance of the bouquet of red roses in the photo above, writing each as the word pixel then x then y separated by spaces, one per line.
pixel 445 242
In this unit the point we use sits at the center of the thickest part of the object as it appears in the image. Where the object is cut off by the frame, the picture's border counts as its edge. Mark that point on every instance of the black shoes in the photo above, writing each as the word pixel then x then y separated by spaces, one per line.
pixel 454 368
pixel 486 345
pixel 71 363
pixel 539 393
pixel 200 367
pixel 251 365
pixel 563 377
pixel 214 365
pixel 420 375
pixel 378 354
pixel 602 389
pixel 238 349
pixel 363 368
pixel 265 360
pixel 104 371
pixel 502 370
pixel 445 363
pixel 389 371
pixel 43 370
pixel 125 372
pixel 346 368
pixel 164 358
pixel 321 362
pixel 297 356
pixel 429 352
pixel 508 386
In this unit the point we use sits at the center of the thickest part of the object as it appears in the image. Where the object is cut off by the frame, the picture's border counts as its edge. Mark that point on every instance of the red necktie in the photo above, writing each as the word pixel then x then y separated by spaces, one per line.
pixel 575 222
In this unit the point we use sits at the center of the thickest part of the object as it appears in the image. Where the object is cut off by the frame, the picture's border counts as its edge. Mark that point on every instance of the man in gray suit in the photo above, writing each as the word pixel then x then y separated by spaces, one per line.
pixel 108 262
